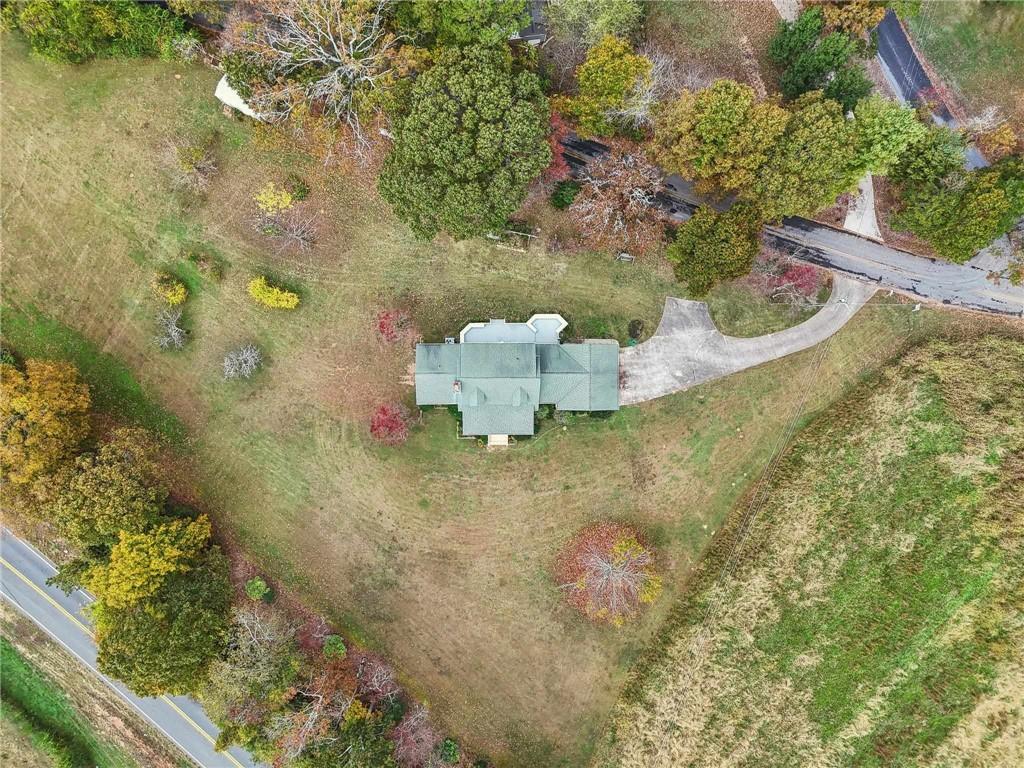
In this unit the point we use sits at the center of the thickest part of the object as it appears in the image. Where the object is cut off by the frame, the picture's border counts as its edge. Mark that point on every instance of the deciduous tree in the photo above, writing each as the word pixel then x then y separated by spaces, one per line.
pixel 812 165
pixel 166 642
pixel 930 157
pixel 607 573
pixel 590 21
pixel 116 489
pixel 140 563
pixel 883 130
pixel 44 417
pixel 611 76
pixel 73 31
pixel 337 56
pixel 462 22
pixel 473 137
pixel 855 17
pixel 720 136
pixel 711 247
pixel 960 218
pixel 256 675
pixel 615 207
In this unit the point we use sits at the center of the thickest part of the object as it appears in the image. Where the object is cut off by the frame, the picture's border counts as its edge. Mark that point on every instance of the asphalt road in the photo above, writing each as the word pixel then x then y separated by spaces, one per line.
pixel 23 578
pixel 962 285
pixel 909 80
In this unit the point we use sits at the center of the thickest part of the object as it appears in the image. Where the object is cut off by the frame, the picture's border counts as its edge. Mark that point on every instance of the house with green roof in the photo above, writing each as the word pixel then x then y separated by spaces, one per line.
pixel 498 374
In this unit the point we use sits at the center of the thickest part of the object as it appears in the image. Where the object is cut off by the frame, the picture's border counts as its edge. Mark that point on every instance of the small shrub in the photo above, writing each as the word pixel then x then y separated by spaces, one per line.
pixel 273 200
pixel 207 264
pixel 243 362
pixel 256 589
pixel 334 647
pixel 170 289
pixel 559 169
pixel 270 295
pixel 390 424
pixel 7 357
pixel 449 751
pixel 636 327
pixel 297 187
pixel 170 334
pixel 565 192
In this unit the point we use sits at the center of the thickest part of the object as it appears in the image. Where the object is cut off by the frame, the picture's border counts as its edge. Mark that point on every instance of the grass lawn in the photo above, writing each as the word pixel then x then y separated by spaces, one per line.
pixel 978 49
pixel 739 310
pixel 871 614
pixel 36 709
pixel 436 553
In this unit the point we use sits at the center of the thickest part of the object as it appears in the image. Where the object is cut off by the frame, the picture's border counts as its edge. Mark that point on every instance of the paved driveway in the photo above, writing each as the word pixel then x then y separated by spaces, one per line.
pixel 688 349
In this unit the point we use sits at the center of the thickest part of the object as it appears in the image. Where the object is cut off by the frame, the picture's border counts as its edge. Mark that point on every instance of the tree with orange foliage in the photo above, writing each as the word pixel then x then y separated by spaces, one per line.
pixel 44 417
pixel 615 209
pixel 607 573
pixel 317 707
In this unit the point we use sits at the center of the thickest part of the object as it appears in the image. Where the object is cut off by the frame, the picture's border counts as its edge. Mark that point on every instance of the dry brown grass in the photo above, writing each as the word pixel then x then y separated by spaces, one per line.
pixel 717 39
pixel 436 553
pixel 114 721
pixel 735 660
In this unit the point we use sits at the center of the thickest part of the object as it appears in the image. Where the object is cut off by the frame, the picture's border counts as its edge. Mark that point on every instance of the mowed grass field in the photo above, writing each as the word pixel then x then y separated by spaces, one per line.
pixel 978 49
pixel 871 613
pixel 436 553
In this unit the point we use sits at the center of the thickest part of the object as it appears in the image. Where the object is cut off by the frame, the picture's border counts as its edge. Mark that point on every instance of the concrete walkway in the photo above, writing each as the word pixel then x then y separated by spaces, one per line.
pixel 688 349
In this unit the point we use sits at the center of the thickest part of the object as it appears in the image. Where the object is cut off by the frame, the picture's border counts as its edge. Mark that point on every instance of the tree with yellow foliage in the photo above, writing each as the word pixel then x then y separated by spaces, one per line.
pixel 721 136
pixel 44 417
pixel 115 489
pixel 611 77
pixel 141 562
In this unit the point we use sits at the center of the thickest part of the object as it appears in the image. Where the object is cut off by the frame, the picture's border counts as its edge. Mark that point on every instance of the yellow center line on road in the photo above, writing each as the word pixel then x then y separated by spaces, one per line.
pixel 74 619
pixel 87 630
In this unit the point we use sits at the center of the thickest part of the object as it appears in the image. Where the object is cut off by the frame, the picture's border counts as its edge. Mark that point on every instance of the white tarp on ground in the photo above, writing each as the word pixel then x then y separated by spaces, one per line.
pixel 230 96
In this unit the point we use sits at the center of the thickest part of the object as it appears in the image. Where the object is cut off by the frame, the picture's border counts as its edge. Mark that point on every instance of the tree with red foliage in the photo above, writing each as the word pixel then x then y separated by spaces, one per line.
pixel 390 424
pixel 615 208
pixel 558 170
pixel 393 324
pixel 607 573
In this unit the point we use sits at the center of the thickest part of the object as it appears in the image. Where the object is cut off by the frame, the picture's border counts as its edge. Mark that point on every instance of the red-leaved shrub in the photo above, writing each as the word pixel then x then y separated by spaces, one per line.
pixel 389 424
pixel 558 170
pixel 393 324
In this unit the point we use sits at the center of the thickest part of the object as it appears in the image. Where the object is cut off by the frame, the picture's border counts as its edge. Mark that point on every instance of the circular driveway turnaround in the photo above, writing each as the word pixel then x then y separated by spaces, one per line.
pixel 687 349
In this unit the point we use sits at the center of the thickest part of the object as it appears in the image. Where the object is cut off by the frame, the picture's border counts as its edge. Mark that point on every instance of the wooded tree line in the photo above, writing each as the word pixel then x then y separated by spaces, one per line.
pixel 468 119
pixel 165 614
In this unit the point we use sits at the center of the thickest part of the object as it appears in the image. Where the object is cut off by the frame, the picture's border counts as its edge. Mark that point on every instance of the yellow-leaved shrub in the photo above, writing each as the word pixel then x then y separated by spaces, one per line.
pixel 271 296
pixel 170 289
